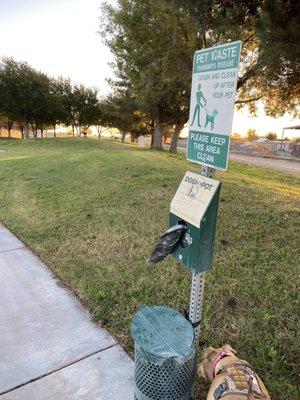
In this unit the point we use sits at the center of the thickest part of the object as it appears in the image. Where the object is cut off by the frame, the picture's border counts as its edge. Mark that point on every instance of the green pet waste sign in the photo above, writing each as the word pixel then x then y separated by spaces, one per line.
pixel 215 73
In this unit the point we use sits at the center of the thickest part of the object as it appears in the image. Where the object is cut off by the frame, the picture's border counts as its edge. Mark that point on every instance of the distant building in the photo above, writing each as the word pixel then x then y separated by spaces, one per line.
pixel 262 140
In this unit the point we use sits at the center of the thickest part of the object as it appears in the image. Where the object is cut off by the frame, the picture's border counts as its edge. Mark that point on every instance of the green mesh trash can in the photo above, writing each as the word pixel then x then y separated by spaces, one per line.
pixel 164 354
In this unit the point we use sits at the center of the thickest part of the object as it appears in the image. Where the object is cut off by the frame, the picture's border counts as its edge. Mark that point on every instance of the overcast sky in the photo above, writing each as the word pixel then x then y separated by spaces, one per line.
pixel 60 37
pixel 56 36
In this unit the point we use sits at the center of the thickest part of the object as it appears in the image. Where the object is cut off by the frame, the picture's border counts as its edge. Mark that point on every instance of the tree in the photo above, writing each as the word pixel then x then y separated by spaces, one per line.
pixel 18 82
pixel 278 31
pixel 148 67
pixel 153 43
pixel 251 135
pixel 55 111
pixel 41 105
pixel 121 112
pixel 32 99
pixel 85 107
pixel 65 90
pixel 25 96
pixel 80 105
pixel 102 118
pixel 236 136
pixel 6 123
pixel 271 136
pixel 268 29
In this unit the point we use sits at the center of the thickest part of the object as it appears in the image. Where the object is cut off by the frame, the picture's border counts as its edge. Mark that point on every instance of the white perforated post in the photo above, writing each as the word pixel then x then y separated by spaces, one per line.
pixel 196 301
pixel 197 289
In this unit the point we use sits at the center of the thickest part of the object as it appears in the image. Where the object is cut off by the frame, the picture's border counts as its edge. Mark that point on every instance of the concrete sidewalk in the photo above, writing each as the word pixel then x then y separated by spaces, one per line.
pixel 49 348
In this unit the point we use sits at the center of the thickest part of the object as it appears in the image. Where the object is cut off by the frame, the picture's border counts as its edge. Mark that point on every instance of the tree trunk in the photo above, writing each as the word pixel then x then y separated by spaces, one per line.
pixel 35 127
pixel 173 146
pixel 123 137
pixel 54 131
pixel 26 130
pixel 73 130
pixel 42 133
pixel 9 127
pixel 33 130
pixel 157 136
pixel 22 131
pixel 78 131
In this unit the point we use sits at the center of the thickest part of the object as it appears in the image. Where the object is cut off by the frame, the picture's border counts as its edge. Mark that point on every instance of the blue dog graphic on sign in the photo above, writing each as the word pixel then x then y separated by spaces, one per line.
pixel 210 119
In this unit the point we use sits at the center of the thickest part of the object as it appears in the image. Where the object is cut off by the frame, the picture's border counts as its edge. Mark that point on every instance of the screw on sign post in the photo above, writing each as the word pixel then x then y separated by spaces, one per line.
pixel 215 73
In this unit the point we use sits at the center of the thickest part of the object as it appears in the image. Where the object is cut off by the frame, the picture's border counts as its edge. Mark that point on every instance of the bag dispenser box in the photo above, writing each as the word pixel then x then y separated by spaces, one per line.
pixel 196 203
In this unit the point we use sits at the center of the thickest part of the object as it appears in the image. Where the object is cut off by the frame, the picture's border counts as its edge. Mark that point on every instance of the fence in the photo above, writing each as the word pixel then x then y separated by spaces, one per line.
pixel 276 148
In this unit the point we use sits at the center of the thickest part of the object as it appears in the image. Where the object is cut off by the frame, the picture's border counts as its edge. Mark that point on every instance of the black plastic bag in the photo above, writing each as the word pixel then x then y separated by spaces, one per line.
pixel 166 243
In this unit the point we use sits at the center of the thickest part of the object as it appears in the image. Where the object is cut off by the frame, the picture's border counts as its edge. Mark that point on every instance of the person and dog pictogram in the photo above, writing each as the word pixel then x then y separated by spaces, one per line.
pixel 201 103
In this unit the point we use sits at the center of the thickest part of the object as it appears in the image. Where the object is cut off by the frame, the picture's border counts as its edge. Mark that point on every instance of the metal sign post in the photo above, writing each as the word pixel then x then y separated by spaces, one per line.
pixel 193 217
pixel 214 80
pixel 196 203
pixel 198 280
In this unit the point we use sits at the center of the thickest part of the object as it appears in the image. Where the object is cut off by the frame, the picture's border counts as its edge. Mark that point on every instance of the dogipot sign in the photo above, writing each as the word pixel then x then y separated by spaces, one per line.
pixel 196 203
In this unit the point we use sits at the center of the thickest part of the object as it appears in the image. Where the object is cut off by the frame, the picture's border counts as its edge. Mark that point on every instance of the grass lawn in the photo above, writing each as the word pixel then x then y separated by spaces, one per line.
pixel 92 210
